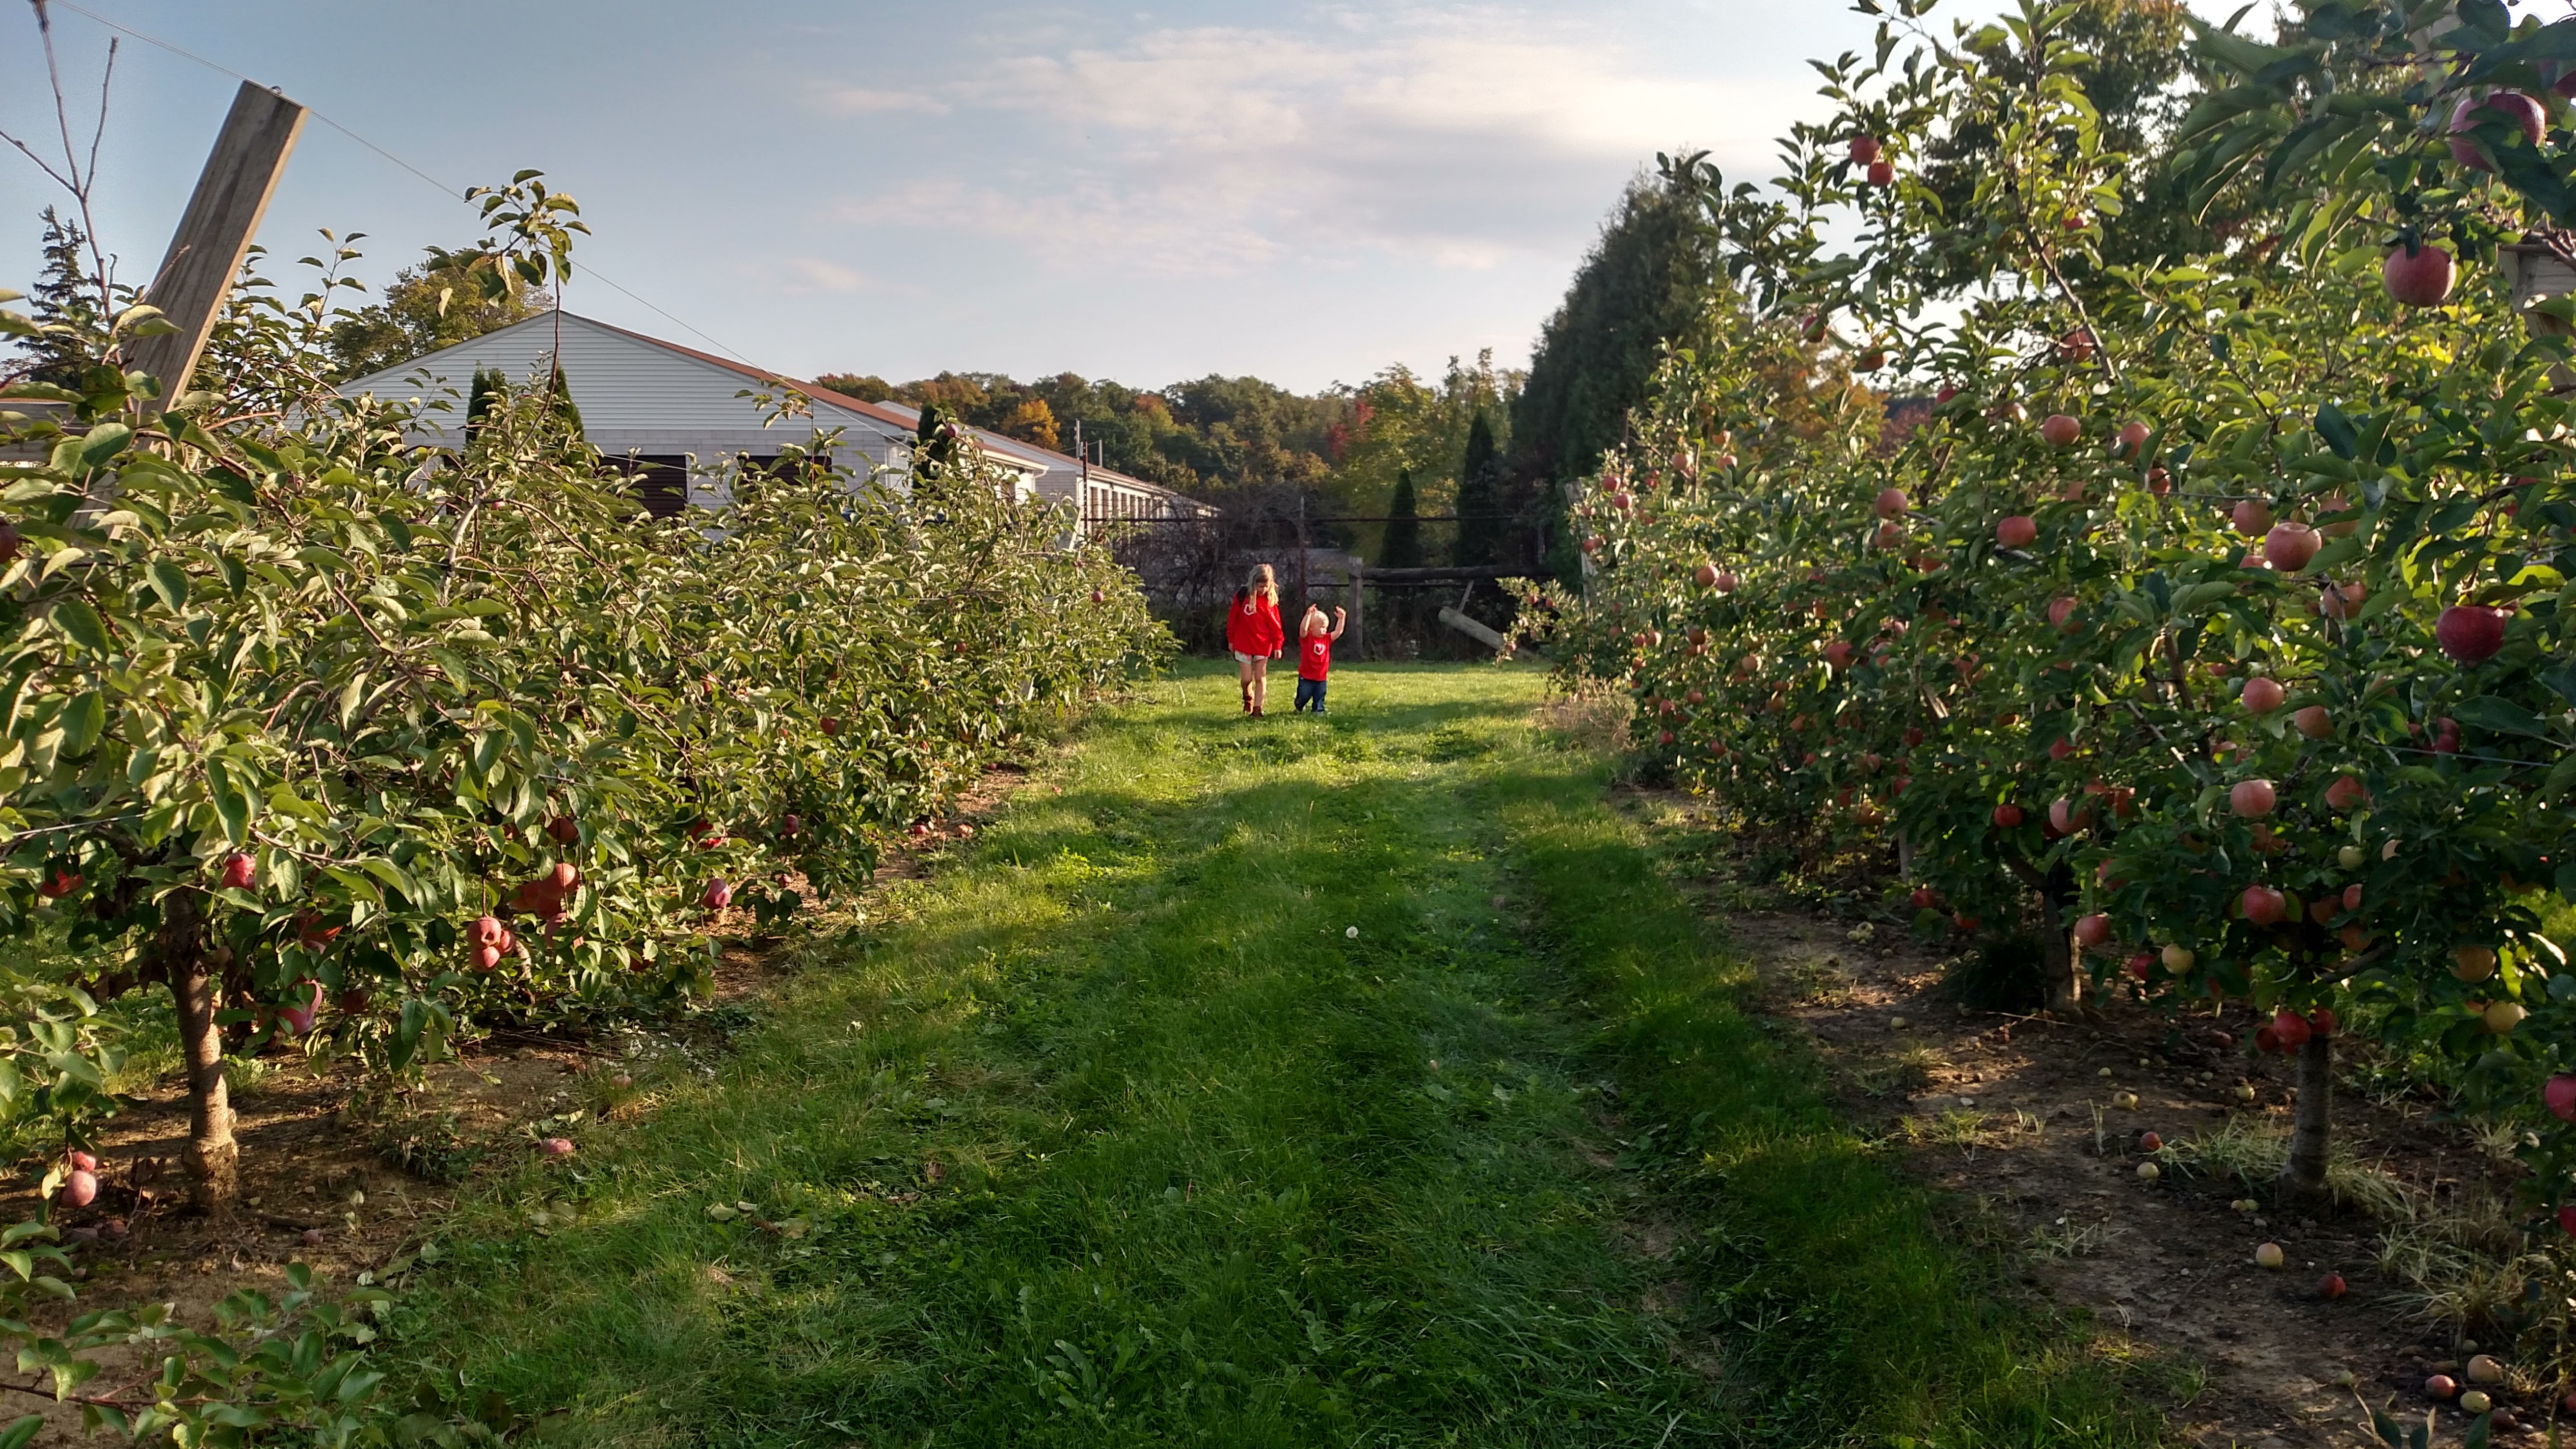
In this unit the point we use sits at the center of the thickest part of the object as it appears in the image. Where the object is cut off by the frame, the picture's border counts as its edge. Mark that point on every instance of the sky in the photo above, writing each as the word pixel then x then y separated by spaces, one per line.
pixel 1302 192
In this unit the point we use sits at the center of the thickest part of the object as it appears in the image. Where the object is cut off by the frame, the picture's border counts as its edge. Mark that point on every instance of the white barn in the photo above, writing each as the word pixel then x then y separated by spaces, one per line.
pixel 676 417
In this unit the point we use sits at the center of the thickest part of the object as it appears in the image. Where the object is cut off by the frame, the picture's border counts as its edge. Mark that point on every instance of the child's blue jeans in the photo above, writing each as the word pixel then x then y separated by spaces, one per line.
pixel 1310 689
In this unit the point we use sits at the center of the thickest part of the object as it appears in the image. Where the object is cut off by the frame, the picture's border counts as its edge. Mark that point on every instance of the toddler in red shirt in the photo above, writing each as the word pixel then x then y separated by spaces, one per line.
pixel 1315 654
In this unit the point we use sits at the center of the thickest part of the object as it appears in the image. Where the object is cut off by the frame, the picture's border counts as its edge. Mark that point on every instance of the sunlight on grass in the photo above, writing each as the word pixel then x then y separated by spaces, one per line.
pixel 1216 1100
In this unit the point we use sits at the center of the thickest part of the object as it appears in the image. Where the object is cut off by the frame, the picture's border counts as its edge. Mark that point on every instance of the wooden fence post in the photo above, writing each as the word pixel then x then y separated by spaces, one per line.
pixel 215 232
pixel 1359 620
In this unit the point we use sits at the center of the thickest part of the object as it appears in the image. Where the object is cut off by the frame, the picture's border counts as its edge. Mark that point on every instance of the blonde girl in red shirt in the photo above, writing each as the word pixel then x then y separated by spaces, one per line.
pixel 1253 632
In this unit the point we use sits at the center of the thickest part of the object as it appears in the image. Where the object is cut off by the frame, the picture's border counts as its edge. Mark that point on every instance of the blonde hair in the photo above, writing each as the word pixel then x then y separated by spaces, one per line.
pixel 1265 583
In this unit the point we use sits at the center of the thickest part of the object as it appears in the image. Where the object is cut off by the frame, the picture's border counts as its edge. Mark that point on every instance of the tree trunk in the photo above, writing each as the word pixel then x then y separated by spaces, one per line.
pixel 2303 1177
pixel 213 1158
pixel 2057 944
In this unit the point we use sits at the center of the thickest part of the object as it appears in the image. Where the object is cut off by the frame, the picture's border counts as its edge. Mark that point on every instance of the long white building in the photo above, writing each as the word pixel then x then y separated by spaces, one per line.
pixel 678 421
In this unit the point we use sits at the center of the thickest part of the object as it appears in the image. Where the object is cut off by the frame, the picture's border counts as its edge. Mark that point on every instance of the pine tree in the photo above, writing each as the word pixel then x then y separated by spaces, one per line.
pixel 490 390
pixel 1480 496
pixel 559 390
pixel 1647 283
pixel 65 297
pixel 1403 546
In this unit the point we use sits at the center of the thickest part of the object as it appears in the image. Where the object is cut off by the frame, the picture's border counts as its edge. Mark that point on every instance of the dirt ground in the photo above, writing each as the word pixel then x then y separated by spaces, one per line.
pixel 2023 1120
pixel 352 1191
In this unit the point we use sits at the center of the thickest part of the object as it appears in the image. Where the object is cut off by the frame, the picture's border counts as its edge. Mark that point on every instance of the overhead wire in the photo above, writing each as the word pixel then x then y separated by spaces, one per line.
pixel 453 193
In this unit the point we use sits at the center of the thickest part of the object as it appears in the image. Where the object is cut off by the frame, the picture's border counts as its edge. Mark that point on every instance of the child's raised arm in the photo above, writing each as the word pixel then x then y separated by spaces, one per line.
pixel 1340 616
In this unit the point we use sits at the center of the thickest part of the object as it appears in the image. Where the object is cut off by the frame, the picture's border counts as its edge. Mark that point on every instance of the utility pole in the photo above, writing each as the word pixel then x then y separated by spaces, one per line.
pixel 1082 497
pixel 215 232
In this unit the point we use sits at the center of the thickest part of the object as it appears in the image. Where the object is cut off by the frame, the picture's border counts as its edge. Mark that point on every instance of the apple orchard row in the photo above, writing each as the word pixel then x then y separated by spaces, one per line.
pixel 2212 624
pixel 341 752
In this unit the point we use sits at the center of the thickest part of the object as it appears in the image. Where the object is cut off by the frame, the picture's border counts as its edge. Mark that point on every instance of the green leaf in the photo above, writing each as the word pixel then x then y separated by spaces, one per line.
pixel 104 442
pixel 171 582
pixel 2488 712
pixel 2561 776
pixel 415 1017
pixel 81 624
pixel 22 1433
pixel 83 719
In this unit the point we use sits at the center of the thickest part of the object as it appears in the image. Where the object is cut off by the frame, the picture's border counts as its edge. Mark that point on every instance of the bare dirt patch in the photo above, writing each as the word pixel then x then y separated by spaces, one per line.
pixel 2026 1122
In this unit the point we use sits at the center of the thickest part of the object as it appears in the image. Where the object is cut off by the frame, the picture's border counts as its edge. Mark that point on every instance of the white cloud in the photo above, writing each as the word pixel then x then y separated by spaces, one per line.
pixel 815 274
pixel 1456 139
pixel 860 101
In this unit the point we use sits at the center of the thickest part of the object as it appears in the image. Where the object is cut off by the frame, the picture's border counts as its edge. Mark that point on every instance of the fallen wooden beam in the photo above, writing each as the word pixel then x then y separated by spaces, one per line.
pixel 1483 635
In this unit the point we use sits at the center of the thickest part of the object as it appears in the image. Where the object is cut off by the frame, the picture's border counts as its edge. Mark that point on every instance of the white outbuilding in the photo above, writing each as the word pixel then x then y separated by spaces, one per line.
pixel 675 418
pixel 680 421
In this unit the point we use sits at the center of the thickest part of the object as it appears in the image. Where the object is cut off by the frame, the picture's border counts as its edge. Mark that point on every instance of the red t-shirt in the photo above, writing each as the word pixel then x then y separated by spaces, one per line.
pixel 1252 627
pixel 1315 660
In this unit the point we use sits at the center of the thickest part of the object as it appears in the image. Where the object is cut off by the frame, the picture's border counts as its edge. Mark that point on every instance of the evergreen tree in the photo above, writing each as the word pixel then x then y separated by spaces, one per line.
pixel 1402 548
pixel 1481 529
pixel 1645 285
pixel 559 390
pixel 490 389
pixel 65 302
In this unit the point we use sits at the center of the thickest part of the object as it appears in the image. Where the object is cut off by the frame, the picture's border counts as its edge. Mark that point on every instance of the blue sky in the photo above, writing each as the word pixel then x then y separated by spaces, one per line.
pixel 1302 192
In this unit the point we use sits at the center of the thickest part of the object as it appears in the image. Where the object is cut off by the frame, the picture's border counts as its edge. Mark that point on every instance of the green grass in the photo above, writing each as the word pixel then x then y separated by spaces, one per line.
pixel 1213 1171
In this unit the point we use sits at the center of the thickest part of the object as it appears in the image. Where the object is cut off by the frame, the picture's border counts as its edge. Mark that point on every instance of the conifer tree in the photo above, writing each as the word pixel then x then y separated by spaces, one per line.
pixel 1480 496
pixel 65 302
pixel 1403 546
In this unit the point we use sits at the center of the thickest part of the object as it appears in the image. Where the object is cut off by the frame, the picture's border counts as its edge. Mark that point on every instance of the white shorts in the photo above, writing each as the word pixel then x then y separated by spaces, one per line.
pixel 1242 658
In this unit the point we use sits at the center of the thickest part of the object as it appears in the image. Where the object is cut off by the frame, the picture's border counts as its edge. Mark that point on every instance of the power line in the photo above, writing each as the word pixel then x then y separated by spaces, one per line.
pixel 453 193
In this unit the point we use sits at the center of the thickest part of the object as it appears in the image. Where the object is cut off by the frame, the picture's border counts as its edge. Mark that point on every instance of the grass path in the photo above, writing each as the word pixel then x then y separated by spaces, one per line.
pixel 1114 1133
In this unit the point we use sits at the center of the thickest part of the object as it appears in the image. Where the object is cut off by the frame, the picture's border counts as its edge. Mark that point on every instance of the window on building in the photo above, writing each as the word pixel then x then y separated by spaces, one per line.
pixel 660 481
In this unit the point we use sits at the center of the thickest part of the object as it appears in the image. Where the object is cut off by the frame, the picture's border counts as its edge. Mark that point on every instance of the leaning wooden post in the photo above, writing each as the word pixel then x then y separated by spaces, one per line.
pixel 215 233
pixel 1359 620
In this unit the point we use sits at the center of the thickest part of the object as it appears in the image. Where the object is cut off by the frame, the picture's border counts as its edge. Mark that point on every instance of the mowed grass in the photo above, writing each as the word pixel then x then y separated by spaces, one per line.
pixel 1111 1132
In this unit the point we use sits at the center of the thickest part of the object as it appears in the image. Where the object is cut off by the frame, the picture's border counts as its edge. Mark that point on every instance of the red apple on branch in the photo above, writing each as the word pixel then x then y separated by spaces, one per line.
pixel 2470 633
pixel 2261 905
pixel 2251 798
pixel 1865 149
pixel 2261 694
pixel 2017 531
pixel 2008 817
pixel 2560 1097
pixel 2314 722
pixel 2252 517
pixel 2289 546
pixel 2059 430
pixel 2417 275
pixel 2513 107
